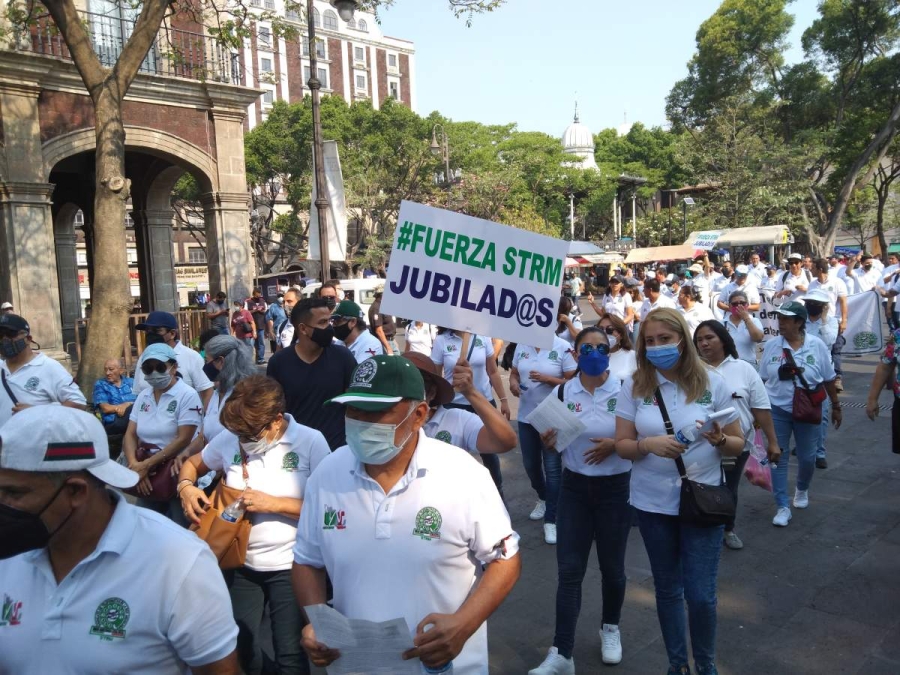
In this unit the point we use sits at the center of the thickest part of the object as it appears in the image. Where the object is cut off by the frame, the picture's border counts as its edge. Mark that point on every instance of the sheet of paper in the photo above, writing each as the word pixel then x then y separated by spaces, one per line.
pixel 367 647
pixel 551 413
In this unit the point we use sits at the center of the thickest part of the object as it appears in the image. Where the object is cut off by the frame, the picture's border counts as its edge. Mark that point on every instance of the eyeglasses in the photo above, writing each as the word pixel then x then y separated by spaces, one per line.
pixel 738 304
pixel 148 368
pixel 609 330
pixel 586 349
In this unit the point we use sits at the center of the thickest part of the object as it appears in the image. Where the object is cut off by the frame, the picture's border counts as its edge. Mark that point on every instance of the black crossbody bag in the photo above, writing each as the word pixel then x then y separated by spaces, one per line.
pixel 701 505
pixel 12 397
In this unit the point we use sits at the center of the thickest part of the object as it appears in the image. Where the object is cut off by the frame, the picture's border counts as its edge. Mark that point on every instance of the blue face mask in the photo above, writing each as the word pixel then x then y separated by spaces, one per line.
pixel 373 443
pixel 593 363
pixel 664 356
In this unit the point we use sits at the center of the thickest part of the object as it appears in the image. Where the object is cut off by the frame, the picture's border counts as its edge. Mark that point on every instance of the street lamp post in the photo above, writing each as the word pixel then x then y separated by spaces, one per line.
pixel 440 145
pixel 345 9
pixel 687 201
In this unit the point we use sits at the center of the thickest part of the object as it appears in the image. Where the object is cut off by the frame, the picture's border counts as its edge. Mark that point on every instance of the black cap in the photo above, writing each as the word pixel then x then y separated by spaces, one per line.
pixel 14 323
pixel 866 256
pixel 159 320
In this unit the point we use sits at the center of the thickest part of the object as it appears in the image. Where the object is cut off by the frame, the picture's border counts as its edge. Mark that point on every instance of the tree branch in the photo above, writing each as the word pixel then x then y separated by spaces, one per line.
pixel 78 40
pixel 135 49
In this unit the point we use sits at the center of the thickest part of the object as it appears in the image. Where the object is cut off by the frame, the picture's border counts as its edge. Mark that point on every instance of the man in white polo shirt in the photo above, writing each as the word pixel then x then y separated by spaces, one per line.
pixel 27 377
pixel 90 583
pixel 350 328
pixel 405 526
pixel 161 327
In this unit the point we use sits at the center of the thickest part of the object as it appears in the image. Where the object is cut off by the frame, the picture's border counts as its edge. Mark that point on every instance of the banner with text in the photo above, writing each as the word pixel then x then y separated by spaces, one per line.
pixel 337 211
pixel 704 241
pixel 863 334
pixel 473 275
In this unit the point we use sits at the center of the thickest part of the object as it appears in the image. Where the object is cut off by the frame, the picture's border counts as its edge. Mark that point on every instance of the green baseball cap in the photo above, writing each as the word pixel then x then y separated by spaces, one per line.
pixel 348 310
pixel 796 309
pixel 382 381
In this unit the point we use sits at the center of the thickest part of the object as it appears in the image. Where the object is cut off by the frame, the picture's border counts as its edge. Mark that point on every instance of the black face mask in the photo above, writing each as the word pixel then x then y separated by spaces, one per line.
pixel 342 332
pixel 322 336
pixel 11 347
pixel 332 301
pixel 155 339
pixel 21 531
pixel 814 310
pixel 211 371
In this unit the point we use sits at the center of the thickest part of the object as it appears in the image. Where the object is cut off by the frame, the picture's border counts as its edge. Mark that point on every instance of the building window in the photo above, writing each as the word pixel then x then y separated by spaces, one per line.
pixel 264 37
pixel 82 257
pixel 196 255
pixel 256 3
pixel 131 254
pixel 331 20
pixel 362 26
pixel 268 96
pixel 323 76
pixel 359 54
pixel 270 4
pixel 394 90
pixel 265 65
pixel 392 60
pixel 320 48
pixel 361 83
pixel 317 20
pixel 79 218
pixel 292 15
pixel 351 23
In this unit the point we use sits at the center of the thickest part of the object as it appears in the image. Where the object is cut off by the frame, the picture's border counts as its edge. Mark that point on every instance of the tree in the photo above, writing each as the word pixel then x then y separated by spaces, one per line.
pixel 107 87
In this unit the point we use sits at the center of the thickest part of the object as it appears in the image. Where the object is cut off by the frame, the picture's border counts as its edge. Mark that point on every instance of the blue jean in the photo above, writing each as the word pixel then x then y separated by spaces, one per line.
pixel 591 508
pixel 260 344
pixel 823 428
pixel 837 349
pixel 223 330
pixel 685 565
pixel 251 592
pixel 543 467
pixel 806 437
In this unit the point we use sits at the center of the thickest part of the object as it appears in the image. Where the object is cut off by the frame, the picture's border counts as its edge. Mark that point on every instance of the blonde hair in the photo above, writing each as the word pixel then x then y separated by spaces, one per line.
pixel 690 373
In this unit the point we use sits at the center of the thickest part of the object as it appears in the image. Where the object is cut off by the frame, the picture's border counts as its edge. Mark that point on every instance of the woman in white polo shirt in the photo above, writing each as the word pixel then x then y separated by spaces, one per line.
pixel 569 322
pixel 419 337
pixel 621 349
pixel 279 455
pixel 744 328
pixel 813 358
pixel 593 504
pixel 684 559
pixel 164 419
pixel 616 302
pixel 691 307
pixel 228 361
pixel 532 377
pixel 748 397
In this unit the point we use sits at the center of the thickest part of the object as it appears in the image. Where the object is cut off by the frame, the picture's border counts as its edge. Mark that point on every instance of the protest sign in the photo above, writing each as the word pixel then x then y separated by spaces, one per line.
pixel 473 275
pixel 337 208
pixel 704 241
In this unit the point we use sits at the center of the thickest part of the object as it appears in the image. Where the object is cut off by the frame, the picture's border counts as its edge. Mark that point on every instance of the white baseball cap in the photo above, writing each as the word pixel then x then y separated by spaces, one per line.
pixel 51 438
pixel 742 270
pixel 817 296
pixel 6 305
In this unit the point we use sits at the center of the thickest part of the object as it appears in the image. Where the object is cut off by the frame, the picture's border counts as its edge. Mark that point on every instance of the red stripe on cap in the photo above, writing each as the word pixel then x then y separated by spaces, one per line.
pixel 66 451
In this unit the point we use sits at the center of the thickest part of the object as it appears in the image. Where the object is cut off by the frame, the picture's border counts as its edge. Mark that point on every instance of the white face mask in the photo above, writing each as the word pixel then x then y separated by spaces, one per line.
pixel 159 380
pixel 373 443
pixel 613 340
pixel 258 447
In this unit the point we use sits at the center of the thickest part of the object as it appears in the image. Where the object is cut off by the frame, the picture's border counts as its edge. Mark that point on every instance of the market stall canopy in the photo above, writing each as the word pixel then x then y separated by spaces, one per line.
pixel 769 235
pixel 571 262
pixel 660 253
pixel 583 248
pixel 602 258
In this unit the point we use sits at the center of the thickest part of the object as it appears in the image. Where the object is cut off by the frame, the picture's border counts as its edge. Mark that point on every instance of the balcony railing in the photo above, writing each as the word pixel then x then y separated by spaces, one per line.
pixel 175 53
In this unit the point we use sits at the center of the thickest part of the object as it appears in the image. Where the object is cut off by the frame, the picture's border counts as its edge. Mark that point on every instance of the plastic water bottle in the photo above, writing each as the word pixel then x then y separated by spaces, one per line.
pixel 234 511
pixel 446 669
pixel 688 434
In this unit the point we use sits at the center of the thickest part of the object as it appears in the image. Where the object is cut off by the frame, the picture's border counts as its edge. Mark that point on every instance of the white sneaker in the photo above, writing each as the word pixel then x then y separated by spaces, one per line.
pixel 611 644
pixel 550 533
pixel 782 518
pixel 801 498
pixel 539 510
pixel 554 664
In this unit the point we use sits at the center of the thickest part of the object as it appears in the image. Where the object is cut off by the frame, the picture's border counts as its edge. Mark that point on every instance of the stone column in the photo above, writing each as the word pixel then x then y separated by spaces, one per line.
pixel 231 266
pixel 159 261
pixel 69 290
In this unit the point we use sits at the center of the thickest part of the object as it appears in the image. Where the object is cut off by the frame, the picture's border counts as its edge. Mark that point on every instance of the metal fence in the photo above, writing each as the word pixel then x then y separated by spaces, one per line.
pixel 175 53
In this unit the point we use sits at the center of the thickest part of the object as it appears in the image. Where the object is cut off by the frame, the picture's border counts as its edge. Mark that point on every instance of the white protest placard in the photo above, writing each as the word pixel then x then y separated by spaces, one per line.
pixel 704 241
pixel 473 275
pixel 337 208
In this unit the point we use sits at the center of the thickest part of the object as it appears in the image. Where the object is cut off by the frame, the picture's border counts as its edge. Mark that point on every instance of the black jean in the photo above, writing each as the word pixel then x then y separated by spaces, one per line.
pixel 251 593
pixel 590 508
pixel 733 480
pixel 491 462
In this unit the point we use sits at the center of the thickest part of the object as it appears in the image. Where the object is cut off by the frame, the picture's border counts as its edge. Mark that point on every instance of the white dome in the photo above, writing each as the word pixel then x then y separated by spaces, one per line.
pixel 579 141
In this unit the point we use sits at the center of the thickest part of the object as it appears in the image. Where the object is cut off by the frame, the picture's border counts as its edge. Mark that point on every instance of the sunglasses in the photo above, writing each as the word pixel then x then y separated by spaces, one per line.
pixel 586 349
pixel 148 368
pixel 738 304
pixel 609 330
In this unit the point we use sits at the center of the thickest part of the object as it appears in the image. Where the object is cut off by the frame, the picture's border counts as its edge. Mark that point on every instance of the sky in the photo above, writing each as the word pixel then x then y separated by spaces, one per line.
pixel 525 62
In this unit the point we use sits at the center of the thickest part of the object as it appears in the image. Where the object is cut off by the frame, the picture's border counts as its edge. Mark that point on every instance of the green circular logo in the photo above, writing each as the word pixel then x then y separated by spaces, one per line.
pixel 111 617
pixel 428 523
pixel 443 436
pixel 290 462
pixel 865 340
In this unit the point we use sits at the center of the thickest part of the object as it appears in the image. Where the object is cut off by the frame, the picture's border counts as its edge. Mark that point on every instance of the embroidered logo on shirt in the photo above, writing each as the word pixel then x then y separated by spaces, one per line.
pixel 428 524
pixel 290 462
pixel 334 519
pixel 478 342
pixel 451 349
pixel 110 619
pixel 171 407
pixel 236 459
pixel 810 359
pixel 865 340
pixel 443 436
pixel 611 405
pixel 145 406
pixel 574 407
pixel 706 399
pixel 365 371
pixel 524 355
pixel 553 356
pixel 11 612
pixel 649 400
pixel 32 384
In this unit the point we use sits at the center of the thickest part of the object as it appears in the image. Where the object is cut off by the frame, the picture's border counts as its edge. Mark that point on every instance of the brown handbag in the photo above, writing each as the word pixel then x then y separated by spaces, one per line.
pixel 162 482
pixel 228 541
pixel 807 403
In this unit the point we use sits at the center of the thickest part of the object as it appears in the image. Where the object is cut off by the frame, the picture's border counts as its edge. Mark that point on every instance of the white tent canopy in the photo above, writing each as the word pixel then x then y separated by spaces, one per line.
pixel 769 235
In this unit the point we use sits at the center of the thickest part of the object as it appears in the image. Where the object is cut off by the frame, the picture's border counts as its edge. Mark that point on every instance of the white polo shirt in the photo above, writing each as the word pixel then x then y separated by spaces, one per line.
pixel 865 281
pixel 826 331
pixel 598 413
pixel 280 472
pixel 701 282
pixel 158 422
pixel 622 364
pixel 445 353
pixel 696 315
pixel 555 362
pixel 655 483
pixel 746 347
pixel 661 301
pixel 150 599
pixel 417 550
pixel 747 391
pixel 455 426
pixel 212 426
pixel 790 282
pixel 39 382
pixel 813 356
pixel 751 291
pixel 575 318
pixel 365 346
pixel 758 274
pixel 420 340
pixel 190 367
pixel 835 288
pixel 285 335
pixel 617 305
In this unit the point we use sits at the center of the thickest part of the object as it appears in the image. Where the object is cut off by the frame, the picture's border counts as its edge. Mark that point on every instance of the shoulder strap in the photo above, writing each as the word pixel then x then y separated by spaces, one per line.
pixel 561 392
pixel 12 397
pixel 789 359
pixel 682 471
pixel 785 276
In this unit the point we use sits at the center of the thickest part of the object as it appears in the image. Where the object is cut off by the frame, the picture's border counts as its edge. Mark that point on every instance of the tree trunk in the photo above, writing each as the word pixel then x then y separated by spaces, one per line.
pixel 879 223
pixel 111 287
